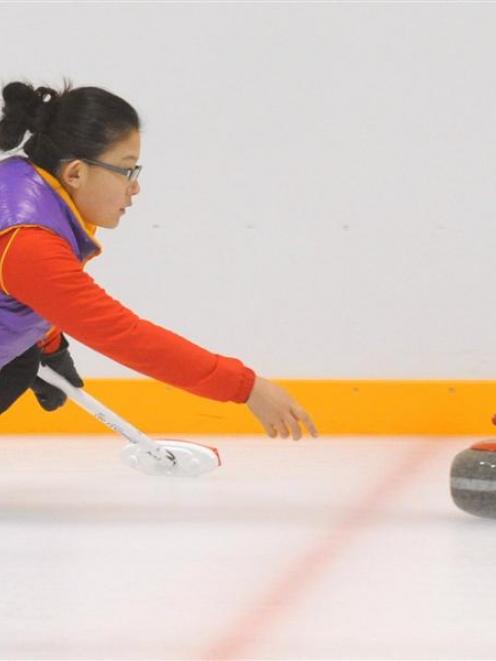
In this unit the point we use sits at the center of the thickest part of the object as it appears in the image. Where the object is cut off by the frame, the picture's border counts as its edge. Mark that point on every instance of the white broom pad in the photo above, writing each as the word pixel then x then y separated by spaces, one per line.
pixel 191 459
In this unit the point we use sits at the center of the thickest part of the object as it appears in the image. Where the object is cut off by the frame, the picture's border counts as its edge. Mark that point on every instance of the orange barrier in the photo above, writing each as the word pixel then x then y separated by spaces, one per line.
pixel 338 407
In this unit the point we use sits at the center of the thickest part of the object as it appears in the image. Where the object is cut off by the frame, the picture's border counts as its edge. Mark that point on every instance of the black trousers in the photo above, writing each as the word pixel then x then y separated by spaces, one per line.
pixel 17 376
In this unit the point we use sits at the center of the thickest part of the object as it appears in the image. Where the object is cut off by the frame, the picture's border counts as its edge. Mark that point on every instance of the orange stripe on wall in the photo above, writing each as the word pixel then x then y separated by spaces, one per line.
pixel 338 407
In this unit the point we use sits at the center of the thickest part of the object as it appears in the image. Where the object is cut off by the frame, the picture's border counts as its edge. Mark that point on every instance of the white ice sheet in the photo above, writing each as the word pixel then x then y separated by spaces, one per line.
pixel 330 548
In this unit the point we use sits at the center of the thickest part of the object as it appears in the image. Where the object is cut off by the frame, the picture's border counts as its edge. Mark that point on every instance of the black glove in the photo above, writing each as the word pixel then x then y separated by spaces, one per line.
pixel 48 396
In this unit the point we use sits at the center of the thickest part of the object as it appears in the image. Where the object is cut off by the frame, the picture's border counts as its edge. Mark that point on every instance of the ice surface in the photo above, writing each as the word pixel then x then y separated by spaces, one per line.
pixel 329 548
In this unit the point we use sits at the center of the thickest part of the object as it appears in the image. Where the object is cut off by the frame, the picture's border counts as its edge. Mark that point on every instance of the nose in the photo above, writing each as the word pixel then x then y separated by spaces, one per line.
pixel 135 188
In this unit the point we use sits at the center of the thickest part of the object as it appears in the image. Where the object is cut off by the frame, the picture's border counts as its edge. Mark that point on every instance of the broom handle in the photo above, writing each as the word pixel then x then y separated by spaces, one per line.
pixel 99 411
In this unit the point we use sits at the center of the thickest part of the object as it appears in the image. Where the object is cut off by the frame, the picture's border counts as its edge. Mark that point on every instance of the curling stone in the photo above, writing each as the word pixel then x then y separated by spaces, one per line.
pixel 473 479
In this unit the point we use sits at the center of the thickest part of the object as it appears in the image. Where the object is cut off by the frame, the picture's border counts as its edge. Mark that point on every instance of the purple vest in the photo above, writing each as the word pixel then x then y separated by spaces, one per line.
pixel 27 199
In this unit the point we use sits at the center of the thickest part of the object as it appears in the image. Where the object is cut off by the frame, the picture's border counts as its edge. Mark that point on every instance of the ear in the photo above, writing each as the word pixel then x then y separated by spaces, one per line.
pixel 73 174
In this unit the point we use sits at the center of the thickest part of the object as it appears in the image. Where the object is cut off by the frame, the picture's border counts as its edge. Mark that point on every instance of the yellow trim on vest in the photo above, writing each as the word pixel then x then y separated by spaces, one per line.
pixel 2 283
pixel 55 184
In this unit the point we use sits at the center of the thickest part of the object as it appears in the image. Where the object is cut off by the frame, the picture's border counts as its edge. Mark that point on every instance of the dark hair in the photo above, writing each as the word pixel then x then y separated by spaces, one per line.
pixel 81 122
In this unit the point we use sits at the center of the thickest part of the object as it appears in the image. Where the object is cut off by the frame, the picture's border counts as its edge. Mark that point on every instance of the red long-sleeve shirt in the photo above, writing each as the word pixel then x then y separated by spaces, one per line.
pixel 39 269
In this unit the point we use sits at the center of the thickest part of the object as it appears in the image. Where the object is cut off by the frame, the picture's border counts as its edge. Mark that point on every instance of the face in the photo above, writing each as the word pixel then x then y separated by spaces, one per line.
pixel 99 194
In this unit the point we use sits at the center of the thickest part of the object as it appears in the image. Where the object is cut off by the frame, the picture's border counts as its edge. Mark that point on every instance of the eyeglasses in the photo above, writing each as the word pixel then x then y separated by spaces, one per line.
pixel 131 174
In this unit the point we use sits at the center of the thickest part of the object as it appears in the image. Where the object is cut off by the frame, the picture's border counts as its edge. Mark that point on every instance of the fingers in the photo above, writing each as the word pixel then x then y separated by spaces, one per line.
pixel 289 425
pixel 270 430
pixel 300 414
pixel 278 412
pixel 275 429
pixel 295 427
pixel 282 429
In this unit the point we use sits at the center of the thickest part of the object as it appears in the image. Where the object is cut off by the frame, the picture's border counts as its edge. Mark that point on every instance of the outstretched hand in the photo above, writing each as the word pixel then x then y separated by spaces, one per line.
pixel 278 412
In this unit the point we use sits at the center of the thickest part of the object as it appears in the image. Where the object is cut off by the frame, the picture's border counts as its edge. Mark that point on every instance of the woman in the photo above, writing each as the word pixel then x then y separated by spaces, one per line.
pixel 80 172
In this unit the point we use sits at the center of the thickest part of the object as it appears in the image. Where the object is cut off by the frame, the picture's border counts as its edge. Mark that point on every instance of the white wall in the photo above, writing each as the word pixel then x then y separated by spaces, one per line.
pixel 318 194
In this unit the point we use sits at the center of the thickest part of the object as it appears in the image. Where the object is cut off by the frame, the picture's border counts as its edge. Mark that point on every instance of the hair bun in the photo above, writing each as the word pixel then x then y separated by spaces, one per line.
pixel 32 108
